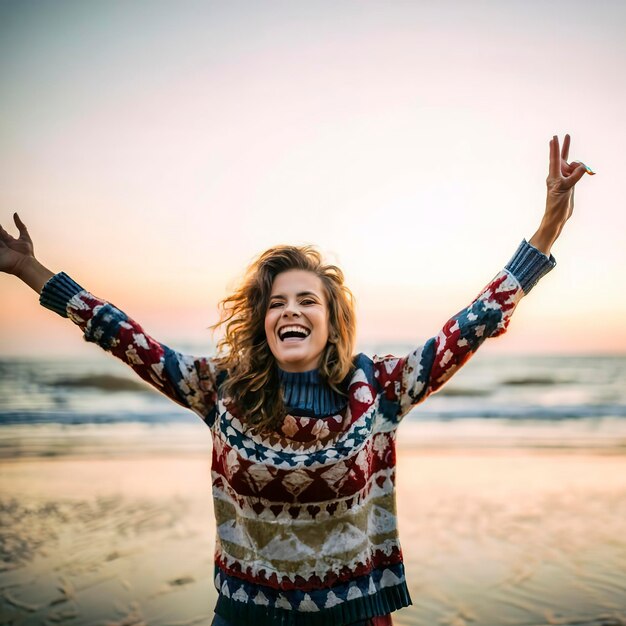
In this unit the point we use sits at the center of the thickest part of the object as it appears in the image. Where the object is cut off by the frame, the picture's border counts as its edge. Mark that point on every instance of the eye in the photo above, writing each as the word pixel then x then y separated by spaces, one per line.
pixel 274 305
pixel 308 301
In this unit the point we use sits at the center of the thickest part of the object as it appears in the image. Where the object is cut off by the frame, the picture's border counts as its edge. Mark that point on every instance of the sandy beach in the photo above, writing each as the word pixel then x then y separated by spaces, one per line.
pixel 490 537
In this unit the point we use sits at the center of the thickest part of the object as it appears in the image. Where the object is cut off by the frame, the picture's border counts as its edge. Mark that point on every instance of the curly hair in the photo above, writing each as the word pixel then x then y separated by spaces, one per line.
pixel 252 382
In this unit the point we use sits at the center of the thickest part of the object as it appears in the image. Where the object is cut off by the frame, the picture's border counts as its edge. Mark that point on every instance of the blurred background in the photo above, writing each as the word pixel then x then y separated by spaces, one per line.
pixel 154 150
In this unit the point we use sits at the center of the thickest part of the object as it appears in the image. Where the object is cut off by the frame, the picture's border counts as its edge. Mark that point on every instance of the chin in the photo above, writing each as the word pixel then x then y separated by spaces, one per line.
pixel 303 362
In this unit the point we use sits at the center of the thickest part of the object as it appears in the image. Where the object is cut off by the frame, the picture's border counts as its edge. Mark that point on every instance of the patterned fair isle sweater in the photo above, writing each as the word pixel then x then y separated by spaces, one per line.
pixel 306 518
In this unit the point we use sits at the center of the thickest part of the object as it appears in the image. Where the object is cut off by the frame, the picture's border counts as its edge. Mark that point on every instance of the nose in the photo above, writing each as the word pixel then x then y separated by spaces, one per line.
pixel 291 308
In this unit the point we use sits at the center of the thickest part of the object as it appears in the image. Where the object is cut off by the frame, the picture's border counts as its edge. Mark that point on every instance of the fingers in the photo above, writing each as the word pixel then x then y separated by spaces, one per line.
pixel 20 225
pixel 555 158
pixel 565 150
pixel 587 168
pixel 576 175
pixel 559 167
pixel 4 236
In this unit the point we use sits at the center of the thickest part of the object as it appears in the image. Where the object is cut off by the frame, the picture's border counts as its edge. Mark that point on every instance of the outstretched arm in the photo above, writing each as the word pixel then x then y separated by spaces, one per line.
pixel 187 380
pixel 405 382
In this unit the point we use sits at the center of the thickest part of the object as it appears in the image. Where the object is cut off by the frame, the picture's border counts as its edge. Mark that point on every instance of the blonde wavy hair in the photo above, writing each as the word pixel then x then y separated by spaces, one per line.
pixel 252 381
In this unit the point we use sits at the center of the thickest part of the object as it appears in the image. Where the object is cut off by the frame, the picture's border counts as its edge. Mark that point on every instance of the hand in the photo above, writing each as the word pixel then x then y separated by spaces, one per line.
pixel 13 252
pixel 562 178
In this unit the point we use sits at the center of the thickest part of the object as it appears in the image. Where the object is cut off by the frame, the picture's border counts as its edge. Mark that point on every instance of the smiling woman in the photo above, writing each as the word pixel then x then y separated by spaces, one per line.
pixel 303 430
pixel 296 321
pixel 292 314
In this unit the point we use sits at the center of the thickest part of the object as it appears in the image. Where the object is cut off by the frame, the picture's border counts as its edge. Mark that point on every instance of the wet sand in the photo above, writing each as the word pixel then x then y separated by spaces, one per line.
pixel 490 537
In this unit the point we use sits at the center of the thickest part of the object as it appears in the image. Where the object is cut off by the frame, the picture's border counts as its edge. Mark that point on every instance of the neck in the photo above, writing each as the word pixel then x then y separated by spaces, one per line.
pixel 308 393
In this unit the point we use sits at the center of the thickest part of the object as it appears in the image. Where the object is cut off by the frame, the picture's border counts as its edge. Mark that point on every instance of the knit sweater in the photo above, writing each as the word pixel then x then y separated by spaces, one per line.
pixel 306 523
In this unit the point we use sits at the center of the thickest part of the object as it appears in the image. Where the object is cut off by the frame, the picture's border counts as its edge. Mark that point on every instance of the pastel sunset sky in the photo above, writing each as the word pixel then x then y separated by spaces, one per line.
pixel 154 149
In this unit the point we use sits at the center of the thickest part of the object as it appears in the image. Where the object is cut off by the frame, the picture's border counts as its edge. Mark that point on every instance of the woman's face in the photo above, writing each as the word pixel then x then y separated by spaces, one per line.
pixel 297 302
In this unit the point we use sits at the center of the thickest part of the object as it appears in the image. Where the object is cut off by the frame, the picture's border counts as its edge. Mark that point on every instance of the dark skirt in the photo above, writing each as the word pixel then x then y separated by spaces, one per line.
pixel 382 620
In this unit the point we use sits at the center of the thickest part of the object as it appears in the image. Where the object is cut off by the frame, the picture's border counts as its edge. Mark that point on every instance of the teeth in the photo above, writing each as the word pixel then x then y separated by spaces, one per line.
pixel 301 329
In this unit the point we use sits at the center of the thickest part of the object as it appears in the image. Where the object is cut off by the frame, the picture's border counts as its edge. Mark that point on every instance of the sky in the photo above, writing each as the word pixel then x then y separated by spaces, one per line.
pixel 155 149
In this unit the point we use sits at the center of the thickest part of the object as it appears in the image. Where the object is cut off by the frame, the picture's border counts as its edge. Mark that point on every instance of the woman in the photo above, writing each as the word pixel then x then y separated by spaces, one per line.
pixel 303 431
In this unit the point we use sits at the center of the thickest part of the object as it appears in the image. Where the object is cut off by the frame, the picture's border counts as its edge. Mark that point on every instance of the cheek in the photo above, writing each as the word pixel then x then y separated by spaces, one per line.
pixel 271 319
pixel 268 327
pixel 325 327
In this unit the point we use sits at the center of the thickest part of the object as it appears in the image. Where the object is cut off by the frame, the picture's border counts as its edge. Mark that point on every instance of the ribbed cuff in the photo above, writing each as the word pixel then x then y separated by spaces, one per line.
pixel 57 292
pixel 529 265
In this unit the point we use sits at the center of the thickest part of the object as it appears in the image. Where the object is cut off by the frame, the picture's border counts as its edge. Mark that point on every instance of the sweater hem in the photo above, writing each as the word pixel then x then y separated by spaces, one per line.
pixel 383 602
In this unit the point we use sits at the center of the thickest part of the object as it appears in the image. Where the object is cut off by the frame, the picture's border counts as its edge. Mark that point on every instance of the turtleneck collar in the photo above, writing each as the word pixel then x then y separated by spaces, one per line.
pixel 307 394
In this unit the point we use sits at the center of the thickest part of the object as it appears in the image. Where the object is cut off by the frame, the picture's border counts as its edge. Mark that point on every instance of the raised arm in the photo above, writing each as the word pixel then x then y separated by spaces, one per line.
pixel 405 382
pixel 187 380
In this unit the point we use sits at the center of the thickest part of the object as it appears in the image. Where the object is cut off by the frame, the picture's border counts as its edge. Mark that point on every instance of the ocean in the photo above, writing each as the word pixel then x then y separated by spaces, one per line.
pixel 493 401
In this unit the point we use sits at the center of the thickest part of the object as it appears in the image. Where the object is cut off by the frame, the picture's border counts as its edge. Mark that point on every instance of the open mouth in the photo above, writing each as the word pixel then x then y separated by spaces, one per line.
pixel 292 334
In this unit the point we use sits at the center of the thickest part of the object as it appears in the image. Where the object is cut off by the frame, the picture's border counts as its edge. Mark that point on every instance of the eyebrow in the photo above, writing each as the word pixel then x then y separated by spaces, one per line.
pixel 301 293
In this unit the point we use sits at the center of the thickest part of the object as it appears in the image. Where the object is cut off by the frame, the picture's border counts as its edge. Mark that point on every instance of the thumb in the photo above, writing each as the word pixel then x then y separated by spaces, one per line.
pixel 24 235
pixel 577 174
pixel 20 225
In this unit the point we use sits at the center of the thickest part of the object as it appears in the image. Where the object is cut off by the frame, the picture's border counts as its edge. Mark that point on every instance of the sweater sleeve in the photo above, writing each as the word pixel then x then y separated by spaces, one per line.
pixel 406 382
pixel 187 380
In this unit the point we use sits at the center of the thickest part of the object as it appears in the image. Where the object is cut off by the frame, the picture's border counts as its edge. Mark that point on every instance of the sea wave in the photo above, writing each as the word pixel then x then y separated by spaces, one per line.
pixel 105 382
